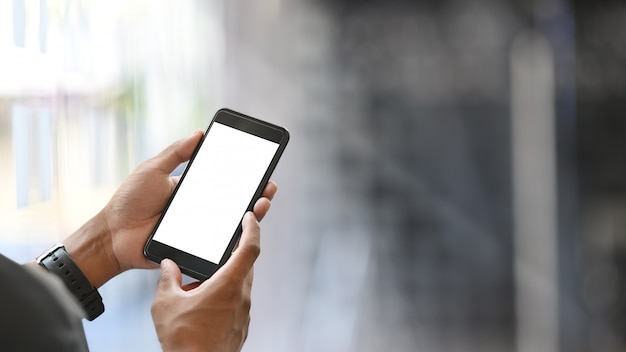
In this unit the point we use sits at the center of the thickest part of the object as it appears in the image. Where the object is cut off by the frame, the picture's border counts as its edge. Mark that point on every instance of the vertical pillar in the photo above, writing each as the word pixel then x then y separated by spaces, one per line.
pixel 534 194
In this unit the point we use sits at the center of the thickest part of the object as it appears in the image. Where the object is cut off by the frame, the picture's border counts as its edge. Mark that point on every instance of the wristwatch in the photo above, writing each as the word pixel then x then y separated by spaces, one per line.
pixel 57 261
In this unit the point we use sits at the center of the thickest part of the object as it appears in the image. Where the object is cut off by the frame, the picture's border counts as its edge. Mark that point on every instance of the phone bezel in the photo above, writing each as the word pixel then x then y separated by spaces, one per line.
pixel 192 265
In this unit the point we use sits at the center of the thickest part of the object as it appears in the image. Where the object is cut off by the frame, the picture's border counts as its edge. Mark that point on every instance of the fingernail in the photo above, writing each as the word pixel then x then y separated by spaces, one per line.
pixel 164 263
pixel 251 215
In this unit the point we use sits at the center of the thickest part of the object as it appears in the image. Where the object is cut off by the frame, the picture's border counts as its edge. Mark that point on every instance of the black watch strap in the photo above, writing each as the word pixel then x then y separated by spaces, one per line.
pixel 57 261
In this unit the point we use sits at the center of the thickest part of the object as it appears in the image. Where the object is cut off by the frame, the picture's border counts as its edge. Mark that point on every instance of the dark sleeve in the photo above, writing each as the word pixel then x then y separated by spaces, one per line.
pixel 36 312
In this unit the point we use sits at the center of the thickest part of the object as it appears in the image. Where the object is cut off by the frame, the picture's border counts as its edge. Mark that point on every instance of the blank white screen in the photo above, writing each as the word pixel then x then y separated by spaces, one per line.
pixel 215 192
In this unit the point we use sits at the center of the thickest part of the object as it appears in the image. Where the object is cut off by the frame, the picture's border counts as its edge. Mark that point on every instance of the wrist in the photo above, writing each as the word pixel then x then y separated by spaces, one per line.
pixel 57 261
pixel 90 248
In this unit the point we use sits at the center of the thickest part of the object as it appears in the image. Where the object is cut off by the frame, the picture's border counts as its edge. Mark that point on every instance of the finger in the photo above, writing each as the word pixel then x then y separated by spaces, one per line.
pixel 248 250
pixel 270 190
pixel 261 207
pixel 178 152
pixel 171 277
pixel 174 181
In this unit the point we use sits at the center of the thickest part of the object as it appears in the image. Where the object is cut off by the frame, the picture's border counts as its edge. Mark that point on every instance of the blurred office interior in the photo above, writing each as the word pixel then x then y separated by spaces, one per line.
pixel 456 178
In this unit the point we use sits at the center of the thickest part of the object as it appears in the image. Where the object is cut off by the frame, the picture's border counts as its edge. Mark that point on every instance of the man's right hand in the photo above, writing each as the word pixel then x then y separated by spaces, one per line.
pixel 213 315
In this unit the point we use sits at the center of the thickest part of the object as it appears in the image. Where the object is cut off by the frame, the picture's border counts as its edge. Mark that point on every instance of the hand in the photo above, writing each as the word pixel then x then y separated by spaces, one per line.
pixel 113 240
pixel 213 315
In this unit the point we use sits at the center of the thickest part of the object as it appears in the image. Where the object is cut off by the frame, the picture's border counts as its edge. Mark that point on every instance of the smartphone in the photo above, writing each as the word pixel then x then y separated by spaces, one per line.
pixel 226 175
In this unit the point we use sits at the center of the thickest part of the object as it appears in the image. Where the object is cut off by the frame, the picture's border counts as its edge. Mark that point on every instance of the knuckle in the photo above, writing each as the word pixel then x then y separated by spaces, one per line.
pixel 163 281
pixel 155 307
pixel 253 250
pixel 246 304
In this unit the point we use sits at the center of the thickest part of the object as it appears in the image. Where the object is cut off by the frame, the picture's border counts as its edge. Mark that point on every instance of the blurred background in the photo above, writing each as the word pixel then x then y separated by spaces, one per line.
pixel 455 181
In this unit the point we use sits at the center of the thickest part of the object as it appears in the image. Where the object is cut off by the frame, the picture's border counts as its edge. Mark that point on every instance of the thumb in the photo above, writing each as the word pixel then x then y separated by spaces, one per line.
pixel 171 278
pixel 178 152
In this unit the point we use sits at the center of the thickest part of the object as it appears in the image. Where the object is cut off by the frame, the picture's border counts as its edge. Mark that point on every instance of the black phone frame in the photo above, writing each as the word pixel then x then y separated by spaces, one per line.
pixel 192 265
